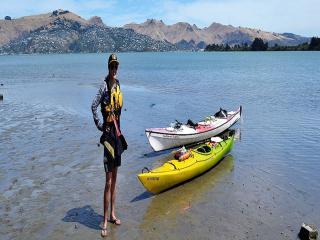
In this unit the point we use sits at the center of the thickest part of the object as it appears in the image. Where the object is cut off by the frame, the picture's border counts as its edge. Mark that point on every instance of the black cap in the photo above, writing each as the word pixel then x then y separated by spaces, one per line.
pixel 113 58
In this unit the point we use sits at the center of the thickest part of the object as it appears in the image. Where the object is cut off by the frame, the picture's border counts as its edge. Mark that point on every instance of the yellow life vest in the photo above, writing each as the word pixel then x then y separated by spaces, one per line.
pixel 115 104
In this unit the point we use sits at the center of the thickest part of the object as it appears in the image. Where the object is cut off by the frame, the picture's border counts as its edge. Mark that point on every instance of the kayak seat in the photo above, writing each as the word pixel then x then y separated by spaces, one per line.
pixel 221 113
pixel 192 124
pixel 204 149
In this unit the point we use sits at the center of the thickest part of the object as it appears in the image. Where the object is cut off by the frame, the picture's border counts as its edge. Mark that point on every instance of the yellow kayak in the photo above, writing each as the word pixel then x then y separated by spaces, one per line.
pixel 200 159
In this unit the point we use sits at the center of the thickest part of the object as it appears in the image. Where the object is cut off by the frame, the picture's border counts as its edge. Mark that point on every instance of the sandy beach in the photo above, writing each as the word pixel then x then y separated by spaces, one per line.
pixel 51 171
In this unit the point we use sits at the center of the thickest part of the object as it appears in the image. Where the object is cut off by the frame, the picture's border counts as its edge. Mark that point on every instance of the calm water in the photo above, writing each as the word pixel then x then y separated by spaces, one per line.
pixel 51 172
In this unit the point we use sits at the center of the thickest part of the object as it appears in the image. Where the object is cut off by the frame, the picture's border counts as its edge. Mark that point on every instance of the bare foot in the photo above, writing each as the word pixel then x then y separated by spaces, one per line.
pixel 104 231
pixel 115 221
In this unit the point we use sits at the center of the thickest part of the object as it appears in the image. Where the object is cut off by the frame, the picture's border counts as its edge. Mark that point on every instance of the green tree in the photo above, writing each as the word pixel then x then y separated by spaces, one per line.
pixel 259 45
pixel 314 44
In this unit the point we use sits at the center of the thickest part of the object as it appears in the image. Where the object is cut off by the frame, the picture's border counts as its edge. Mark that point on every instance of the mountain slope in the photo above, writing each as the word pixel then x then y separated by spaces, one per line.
pixel 13 29
pixel 216 33
pixel 63 32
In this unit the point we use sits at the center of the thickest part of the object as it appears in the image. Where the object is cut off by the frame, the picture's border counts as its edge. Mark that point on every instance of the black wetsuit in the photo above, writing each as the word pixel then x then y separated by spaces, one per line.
pixel 112 145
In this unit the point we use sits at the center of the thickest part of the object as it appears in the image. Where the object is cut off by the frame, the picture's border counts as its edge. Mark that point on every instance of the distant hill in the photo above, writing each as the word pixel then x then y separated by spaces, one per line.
pixel 63 32
pixel 188 36
pixel 15 28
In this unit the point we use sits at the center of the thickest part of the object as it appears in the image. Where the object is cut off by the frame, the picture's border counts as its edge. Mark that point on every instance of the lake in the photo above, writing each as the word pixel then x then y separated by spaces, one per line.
pixel 51 172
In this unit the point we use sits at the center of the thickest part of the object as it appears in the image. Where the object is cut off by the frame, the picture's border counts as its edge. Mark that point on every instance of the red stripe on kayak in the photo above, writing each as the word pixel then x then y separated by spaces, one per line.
pixel 210 129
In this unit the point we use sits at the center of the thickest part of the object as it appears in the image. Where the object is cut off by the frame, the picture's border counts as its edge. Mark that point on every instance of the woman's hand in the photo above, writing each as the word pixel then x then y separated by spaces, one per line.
pixel 107 129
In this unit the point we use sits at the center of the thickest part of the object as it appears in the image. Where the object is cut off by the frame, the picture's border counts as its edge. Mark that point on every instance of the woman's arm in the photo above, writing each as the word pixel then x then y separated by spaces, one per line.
pixel 94 107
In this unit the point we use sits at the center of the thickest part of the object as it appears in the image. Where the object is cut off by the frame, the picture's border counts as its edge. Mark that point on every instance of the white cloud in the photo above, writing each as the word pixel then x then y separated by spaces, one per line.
pixel 279 16
pixel 297 16
pixel 121 19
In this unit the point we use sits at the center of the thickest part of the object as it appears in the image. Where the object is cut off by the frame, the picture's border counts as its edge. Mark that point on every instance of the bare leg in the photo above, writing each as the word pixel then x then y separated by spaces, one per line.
pixel 106 197
pixel 113 217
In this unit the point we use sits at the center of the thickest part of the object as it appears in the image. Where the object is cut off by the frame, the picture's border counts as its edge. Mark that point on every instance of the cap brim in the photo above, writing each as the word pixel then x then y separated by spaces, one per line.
pixel 114 61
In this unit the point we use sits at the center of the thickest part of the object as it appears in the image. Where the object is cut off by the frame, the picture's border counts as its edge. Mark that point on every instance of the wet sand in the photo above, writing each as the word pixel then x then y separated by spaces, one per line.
pixel 55 191
pixel 52 176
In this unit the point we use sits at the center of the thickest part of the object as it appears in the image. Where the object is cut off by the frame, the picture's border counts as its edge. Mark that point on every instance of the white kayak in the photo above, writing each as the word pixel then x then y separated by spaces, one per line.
pixel 182 134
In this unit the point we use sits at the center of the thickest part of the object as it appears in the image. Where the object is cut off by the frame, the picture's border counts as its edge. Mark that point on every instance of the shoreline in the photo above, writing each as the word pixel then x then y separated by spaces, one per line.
pixel 51 168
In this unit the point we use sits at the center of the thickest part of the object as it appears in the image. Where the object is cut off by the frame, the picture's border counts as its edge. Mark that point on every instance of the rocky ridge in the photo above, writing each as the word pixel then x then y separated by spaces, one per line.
pixel 64 32
pixel 15 28
pixel 185 35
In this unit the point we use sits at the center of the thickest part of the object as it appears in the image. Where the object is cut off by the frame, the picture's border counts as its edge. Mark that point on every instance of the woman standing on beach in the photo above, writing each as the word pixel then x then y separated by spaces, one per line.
pixel 109 97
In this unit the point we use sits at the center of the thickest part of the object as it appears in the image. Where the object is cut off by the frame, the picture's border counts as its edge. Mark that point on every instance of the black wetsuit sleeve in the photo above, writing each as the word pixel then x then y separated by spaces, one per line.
pixel 94 107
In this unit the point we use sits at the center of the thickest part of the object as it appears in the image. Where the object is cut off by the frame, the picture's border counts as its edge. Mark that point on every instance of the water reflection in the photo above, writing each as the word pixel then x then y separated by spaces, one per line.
pixel 169 204
pixel 237 134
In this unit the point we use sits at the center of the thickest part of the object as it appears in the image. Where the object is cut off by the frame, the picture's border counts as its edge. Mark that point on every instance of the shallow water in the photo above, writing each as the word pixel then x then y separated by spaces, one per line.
pixel 51 172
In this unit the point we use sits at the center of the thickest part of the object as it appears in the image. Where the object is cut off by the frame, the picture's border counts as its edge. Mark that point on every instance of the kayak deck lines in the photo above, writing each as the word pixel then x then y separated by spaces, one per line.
pixel 174 172
pixel 183 134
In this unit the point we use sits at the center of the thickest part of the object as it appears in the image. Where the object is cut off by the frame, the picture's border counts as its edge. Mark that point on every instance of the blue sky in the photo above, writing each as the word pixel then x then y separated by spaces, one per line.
pixel 296 16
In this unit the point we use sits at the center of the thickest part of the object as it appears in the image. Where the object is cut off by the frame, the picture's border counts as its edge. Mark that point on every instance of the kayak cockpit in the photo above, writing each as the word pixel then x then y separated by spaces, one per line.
pixel 204 149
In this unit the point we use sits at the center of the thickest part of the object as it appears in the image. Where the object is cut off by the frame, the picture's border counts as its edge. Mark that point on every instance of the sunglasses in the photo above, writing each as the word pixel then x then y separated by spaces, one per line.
pixel 114 66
